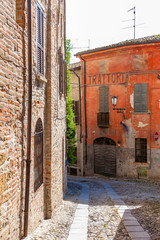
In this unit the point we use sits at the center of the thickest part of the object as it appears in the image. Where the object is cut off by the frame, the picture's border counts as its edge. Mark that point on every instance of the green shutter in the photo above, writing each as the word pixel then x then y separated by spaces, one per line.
pixel 141 97
pixel 104 99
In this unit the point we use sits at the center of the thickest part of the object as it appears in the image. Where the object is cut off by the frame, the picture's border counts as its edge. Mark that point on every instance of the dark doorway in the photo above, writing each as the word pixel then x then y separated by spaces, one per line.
pixel 105 156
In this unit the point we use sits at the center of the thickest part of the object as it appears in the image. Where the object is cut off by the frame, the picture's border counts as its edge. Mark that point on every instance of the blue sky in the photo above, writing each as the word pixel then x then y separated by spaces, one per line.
pixel 102 22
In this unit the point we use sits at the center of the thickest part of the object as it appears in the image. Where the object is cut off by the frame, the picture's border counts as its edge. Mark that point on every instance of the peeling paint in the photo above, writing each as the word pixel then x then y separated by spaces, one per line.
pixel 141 124
pixel 132 100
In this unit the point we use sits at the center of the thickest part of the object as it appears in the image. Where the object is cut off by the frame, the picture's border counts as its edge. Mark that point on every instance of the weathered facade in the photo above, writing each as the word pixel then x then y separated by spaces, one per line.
pixel 32 113
pixel 122 140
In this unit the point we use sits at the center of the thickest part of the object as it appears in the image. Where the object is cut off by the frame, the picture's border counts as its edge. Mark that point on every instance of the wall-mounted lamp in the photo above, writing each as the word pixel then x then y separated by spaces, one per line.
pixel 114 103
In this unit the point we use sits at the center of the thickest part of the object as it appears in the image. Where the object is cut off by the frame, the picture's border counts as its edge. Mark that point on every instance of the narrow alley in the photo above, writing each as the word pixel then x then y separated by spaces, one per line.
pixel 105 208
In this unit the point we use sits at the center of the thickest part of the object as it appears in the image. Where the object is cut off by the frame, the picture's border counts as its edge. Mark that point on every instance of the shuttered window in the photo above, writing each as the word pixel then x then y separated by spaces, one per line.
pixel 141 97
pixel 62 73
pixel 40 40
pixel 76 112
pixel 103 115
pixel 65 79
pixel 104 99
pixel 141 150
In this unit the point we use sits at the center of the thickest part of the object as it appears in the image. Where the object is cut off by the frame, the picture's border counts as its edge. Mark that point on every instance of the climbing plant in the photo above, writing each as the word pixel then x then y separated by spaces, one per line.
pixel 71 127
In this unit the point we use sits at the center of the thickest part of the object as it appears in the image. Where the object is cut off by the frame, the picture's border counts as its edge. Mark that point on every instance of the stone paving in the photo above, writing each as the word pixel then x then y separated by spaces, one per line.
pixel 103 208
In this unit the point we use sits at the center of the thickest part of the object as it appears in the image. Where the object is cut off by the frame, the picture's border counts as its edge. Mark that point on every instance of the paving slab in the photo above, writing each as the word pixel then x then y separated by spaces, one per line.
pixel 78 230
pixel 129 221
pixel 134 228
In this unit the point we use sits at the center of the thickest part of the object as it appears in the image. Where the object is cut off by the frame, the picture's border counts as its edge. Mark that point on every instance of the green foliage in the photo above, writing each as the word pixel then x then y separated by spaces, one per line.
pixel 71 127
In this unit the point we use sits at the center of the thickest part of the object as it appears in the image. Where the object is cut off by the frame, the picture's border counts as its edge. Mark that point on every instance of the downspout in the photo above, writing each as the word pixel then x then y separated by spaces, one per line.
pixel 85 108
pixel 79 104
pixel 28 160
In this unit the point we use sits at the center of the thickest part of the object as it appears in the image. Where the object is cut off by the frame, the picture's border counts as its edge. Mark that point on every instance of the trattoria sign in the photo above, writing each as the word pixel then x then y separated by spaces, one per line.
pixel 109 78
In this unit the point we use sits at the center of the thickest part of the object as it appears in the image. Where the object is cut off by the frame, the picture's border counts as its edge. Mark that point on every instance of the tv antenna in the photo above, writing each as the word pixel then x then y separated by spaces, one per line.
pixel 134 21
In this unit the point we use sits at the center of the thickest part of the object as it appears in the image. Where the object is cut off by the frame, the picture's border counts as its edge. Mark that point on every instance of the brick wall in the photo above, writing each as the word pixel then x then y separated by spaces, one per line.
pixel 47 104
pixel 11 93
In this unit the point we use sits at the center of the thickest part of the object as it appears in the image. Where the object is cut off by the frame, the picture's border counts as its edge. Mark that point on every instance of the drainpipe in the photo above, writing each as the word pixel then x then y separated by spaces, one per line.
pixel 79 103
pixel 85 109
pixel 28 160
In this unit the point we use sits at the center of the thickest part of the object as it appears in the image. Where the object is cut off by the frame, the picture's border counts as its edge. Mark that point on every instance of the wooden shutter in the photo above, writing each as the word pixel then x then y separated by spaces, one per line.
pixel 141 97
pixel 40 40
pixel 104 99
pixel 61 71
pixel 65 79
pixel 76 111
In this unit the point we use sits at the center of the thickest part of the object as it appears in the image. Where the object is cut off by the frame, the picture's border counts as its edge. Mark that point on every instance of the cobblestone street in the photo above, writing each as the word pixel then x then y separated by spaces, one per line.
pixel 105 208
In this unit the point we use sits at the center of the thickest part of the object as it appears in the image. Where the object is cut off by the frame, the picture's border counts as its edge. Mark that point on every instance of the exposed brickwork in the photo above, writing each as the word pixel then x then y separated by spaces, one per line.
pixel 46 104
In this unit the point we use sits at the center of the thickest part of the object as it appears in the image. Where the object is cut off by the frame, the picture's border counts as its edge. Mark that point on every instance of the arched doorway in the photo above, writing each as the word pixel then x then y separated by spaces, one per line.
pixel 105 156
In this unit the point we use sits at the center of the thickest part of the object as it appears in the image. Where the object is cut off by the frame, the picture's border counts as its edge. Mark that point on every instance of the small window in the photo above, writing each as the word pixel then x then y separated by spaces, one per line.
pixel 141 150
pixel 40 40
pixel 141 97
pixel 76 111
pixel 38 155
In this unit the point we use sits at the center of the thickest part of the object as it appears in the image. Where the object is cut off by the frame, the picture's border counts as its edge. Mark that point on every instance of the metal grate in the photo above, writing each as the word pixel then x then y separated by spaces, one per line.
pixel 141 150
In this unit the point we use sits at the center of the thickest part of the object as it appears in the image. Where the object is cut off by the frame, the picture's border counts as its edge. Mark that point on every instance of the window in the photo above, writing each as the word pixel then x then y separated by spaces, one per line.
pixel 141 150
pixel 103 115
pixel 40 40
pixel 141 97
pixel 76 111
pixel 38 155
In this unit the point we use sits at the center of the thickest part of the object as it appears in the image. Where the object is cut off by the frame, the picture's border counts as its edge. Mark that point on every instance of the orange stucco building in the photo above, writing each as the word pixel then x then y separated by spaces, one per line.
pixel 121 140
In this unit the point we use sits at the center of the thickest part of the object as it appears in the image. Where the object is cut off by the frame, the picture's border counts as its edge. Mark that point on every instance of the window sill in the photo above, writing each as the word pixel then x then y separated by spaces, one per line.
pixel 136 113
pixel 103 126
pixel 41 79
pixel 141 163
